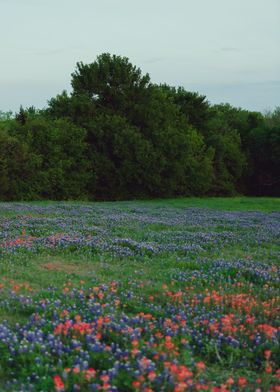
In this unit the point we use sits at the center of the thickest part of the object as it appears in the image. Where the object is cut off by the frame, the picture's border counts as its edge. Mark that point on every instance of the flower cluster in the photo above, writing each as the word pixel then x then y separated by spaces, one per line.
pixel 93 228
pixel 92 337
pixel 201 322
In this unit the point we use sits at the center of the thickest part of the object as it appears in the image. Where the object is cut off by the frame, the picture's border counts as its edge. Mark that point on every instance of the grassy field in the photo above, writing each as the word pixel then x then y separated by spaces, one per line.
pixel 166 295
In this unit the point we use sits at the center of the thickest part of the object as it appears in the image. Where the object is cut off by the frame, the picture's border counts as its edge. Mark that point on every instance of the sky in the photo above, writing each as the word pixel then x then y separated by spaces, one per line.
pixel 228 50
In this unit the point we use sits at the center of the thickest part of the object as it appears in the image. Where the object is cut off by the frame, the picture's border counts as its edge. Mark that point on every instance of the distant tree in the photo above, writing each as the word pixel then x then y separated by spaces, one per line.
pixel 264 178
pixel 119 136
pixel 21 116
pixel 6 116
pixel 272 119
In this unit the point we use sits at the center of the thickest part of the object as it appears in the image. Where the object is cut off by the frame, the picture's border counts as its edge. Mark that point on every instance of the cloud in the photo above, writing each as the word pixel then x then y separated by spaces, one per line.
pixel 153 60
pixel 229 49
pixel 50 52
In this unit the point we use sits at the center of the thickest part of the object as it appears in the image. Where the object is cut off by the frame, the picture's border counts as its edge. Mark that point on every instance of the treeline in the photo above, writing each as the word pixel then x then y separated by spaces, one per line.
pixel 119 136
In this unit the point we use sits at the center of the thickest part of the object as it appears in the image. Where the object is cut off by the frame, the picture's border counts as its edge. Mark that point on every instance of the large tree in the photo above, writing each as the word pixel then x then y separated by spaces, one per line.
pixel 111 81
pixel 140 142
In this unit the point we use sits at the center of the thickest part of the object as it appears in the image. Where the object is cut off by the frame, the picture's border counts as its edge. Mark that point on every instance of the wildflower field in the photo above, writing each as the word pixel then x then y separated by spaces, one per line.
pixel 174 295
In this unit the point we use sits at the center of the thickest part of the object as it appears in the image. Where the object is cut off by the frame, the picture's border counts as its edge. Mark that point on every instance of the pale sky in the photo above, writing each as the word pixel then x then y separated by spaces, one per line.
pixel 228 50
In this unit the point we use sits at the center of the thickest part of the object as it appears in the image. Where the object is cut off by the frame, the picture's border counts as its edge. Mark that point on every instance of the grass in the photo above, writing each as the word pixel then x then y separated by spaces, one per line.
pixel 241 203
pixel 230 254
pixel 267 204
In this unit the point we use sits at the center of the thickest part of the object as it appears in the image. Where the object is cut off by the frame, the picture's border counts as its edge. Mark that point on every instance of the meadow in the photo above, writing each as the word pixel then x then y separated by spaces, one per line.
pixel 167 295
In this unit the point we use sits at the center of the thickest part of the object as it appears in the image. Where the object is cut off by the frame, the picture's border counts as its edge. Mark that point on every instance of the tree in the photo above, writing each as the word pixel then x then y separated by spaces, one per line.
pixel 6 116
pixel 265 155
pixel 192 105
pixel 229 159
pixel 123 102
pixel 111 81
pixel 16 169
pixel 58 151
pixel 118 136
pixel 21 116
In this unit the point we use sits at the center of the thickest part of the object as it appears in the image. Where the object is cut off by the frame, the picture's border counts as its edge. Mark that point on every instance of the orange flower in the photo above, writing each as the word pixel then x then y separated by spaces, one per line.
pixel 181 387
pixel 134 343
pixel 201 387
pixel 268 330
pixel 78 318
pixel 98 336
pixel 168 343
pixel 207 299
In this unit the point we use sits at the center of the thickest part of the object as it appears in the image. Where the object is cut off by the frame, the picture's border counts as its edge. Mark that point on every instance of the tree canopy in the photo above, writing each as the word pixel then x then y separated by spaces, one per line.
pixel 117 135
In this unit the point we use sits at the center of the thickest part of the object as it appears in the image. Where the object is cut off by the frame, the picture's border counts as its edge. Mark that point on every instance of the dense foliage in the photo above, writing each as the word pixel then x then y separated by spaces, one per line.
pixel 117 135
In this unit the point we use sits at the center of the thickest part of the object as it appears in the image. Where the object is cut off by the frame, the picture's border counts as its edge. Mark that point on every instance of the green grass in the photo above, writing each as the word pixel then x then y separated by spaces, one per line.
pixel 30 268
pixel 267 204
pixel 54 268
pixel 242 203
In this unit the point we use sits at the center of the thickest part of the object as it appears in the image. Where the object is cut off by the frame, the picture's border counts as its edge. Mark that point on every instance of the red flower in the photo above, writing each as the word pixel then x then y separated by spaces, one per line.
pixel 200 366
pixel 230 381
pixel 136 384
pixel 58 383
pixel 242 381
pixel 267 354
pixel 268 369
pixel 104 378
pixel 89 374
